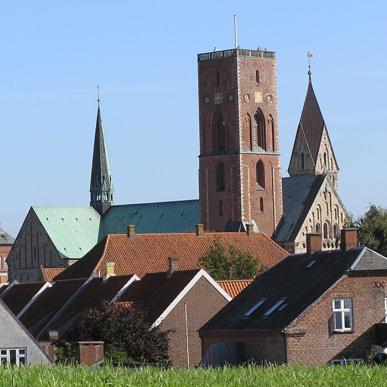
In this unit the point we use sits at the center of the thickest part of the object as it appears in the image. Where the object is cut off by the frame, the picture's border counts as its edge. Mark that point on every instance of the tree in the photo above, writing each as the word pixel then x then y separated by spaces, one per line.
pixel 231 263
pixel 373 229
pixel 126 333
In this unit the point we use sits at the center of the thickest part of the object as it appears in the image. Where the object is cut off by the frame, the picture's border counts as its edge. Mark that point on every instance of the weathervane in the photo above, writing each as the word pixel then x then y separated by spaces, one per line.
pixel 310 56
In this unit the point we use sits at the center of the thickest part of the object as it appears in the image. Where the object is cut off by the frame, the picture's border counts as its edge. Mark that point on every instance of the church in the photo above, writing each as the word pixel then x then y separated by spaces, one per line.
pixel 240 180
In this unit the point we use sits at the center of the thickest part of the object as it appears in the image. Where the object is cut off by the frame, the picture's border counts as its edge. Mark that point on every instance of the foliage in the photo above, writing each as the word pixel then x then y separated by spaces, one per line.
pixel 127 334
pixel 75 376
pixel 373 229
pixel 231 263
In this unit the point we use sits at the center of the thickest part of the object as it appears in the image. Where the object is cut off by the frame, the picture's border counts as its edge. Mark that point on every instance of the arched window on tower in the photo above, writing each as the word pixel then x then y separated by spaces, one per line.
pixel 220 180
pixel 249 131
pixel 272 127
pixel 260 174
pixel 325 161
pixel 220 143
pixel 217 78
pixel 325 236
pixel 257 80
pixel 261 207
pixel 261 129
pixel 302 161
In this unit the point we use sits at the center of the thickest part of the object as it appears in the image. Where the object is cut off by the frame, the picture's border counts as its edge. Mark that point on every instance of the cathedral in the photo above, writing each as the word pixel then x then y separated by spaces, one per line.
pixel 240 180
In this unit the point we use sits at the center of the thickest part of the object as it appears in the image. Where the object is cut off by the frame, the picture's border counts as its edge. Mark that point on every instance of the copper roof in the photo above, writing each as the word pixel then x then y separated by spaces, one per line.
pixel 49 273
pixel 149 253
pixel 234 287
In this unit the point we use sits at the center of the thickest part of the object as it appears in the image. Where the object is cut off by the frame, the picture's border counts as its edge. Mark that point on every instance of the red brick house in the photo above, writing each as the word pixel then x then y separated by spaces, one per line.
pixel 311 308
pixel 6 243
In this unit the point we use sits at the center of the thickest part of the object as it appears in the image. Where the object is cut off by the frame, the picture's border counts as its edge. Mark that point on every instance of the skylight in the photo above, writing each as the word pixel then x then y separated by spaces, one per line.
pixel 310 264
pixel 254 308
pixel 280 305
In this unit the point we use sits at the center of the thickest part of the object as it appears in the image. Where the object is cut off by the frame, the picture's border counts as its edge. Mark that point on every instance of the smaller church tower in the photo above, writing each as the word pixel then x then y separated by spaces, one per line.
pixel 312 150
pixel 101 187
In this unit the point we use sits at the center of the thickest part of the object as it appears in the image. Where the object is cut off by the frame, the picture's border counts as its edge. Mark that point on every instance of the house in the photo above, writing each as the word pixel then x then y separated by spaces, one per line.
pixel 6 243
pixel 17 345
pixel 147 253
pixel 311 308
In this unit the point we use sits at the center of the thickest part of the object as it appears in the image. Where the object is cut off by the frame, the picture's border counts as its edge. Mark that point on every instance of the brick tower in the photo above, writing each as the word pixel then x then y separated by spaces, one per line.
pixel 239 162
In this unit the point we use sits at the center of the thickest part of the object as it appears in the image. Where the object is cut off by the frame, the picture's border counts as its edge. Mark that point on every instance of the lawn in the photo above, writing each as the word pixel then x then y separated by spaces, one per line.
pixel 247 376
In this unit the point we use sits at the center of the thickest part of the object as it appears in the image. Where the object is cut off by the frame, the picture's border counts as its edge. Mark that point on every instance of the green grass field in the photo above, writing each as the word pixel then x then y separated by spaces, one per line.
pixel 247 376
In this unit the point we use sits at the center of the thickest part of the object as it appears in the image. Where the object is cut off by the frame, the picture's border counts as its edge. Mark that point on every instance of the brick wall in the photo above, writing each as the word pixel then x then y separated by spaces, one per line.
pixel 320 344
pixel 203 302
pixel 90 352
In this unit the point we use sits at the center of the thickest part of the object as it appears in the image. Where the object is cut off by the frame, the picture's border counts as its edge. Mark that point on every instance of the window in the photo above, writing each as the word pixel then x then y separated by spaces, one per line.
pixel 15 356
pixel 280 305
pixel 342 315
pixel 261 204
pixel 318 228
pixel 343 361
pixel 302 161
pixel 250 311
pixel 325 161
pixel 310 264
pixel 220 185
pixel 220 135
pixel 260 174
pixel 217 78
pixel 220 208
pixel 271 122
pixel 249 131
pixel 261 129
pixel 257 77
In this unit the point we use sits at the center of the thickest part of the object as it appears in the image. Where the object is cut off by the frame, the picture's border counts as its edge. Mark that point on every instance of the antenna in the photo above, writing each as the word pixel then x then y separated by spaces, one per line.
pixel 235 32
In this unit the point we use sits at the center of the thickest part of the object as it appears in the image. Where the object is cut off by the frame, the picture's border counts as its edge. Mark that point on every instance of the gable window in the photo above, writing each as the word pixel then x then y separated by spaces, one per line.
pixel 342 315
pixel 250 311
pixel 302 161
pixel 260 174
pixel 261 129
pixel 14 356
pixel 325 231
pixel 220 181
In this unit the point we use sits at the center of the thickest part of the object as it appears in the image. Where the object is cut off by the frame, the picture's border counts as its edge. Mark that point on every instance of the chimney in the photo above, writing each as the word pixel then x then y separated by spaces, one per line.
pixel 313 243
pixel 173 265
pixel 199 229
pixel 110 272
pixel 131 231
pixel 349 238
pixel 53 335
pixel 90 353
pixel 249 229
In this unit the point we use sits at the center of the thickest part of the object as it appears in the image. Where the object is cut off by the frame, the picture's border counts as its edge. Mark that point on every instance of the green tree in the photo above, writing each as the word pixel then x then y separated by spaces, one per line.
pixel 373 229
pixel 231 263
pixel 126 332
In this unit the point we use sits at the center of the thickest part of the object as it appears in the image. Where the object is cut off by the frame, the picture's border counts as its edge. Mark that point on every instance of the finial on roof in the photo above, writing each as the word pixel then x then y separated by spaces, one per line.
pixel 98 95
pixel 310 56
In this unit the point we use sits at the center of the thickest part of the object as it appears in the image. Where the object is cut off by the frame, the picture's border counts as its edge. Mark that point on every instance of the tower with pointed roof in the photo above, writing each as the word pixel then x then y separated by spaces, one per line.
pixel 312 150
pixel 101 187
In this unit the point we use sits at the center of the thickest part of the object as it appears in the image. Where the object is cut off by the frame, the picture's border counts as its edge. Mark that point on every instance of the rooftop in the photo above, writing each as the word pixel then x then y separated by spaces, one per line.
pixel 259 53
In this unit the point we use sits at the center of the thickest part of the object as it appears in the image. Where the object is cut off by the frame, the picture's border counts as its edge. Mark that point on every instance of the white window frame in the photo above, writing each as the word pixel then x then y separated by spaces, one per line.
pixel 343 311
pixel 343 361
pixel 20 353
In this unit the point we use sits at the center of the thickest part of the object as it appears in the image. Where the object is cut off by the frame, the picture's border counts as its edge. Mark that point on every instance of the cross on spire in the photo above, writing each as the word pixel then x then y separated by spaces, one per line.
pixel 310 56
pixel 98 95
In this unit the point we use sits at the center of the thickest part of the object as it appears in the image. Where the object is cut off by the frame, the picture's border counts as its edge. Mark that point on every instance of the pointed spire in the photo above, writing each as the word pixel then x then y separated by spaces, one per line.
pixel 101 188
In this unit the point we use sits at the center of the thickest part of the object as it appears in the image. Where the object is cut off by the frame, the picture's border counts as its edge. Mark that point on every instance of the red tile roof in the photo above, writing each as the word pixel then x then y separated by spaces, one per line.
pixel 149 253
pixel 18 295
pixel 49 273
pixel 234 287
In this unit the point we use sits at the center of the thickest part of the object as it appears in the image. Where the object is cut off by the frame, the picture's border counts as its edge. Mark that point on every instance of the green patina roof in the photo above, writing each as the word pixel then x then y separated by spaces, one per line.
pixel 178 216
pixel 73 230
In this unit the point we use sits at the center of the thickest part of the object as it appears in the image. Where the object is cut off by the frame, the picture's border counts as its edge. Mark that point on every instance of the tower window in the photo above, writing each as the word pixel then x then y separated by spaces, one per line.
pixel 249 131
pixel 220 181
pixel 217 78
pixel 271 122
pixel 220 135
pixel 261 129
pixel 302 161
pixel 220 208
pixel 257 80
pixel 261 204
pixel 325 160
pixel 260 174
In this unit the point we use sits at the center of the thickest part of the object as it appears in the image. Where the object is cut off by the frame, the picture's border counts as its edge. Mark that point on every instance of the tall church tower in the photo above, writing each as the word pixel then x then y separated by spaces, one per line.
pixel 312 150
pixel 239 163
pixel 101 188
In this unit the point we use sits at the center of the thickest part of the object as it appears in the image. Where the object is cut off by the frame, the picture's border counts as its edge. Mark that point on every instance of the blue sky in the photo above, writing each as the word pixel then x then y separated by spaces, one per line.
pixel 143 54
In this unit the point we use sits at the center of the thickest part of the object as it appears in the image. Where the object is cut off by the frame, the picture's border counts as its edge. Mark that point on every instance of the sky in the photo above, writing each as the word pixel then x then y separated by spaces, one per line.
pixel 143 56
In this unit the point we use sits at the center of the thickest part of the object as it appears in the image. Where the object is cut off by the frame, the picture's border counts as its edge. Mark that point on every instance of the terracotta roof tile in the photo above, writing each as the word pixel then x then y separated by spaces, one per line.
pixel 149 253
pixel 49 273
pixel 234 287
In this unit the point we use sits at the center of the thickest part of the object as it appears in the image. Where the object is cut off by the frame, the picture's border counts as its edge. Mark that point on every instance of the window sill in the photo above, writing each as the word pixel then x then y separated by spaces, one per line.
pixel 343 331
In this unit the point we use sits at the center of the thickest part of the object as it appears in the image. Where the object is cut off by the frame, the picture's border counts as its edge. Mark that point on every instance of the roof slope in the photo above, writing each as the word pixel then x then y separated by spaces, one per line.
pixel 18 295
pixel 149 253
pixel 299 193
pixel 234 287
pixel 156 291
pixel 49 273
pixel 292 280
pixel 177 216
pixel 73 230
pixel 48 304
pixel 5 238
